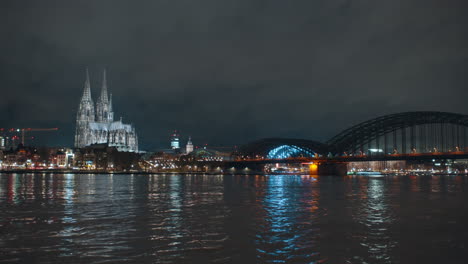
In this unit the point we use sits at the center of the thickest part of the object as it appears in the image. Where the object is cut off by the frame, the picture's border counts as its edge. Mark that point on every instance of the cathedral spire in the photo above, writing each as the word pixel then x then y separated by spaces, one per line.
pixel 104 97
pixel 87 88
pixel 110 102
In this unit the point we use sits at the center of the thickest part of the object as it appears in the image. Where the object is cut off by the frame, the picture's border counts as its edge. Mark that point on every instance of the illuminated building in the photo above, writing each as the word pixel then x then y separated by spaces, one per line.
pixel 189 146
pixel 60 159
pixel 175 144
pixel 95 123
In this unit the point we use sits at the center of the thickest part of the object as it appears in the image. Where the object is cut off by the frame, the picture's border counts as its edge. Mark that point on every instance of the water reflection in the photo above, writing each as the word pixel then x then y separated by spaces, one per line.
pixel 287 221
pixel 379 218
pixel 232 219
pixel 372 240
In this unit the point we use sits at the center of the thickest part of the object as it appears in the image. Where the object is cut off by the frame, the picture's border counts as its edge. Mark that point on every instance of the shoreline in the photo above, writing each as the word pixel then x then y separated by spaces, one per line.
pixel 207 173
pixel 123 172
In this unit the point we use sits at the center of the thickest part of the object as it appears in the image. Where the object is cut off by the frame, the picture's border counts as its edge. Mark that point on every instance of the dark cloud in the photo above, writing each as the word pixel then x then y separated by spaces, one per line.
pixel 231 71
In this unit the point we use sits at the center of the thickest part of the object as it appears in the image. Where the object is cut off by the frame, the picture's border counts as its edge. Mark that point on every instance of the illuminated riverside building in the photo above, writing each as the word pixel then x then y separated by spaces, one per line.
pixel 189 146
pixel 175 144
pixel 37 158
pixel 95 123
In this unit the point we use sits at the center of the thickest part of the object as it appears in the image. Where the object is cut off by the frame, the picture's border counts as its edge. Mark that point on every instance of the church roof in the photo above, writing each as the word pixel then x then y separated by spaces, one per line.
pixel 111 126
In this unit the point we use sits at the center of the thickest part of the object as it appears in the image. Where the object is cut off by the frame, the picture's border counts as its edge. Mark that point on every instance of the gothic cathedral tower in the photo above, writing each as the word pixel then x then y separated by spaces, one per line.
pixel 85 115
pixel 104 104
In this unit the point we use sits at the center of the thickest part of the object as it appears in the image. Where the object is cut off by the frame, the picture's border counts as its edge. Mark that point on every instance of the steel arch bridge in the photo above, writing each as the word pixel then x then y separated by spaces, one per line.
pixel 281 148
pixel 404 133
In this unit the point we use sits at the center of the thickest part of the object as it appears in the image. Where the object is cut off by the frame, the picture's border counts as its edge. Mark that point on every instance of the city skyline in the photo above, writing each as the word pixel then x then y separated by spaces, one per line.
pixel 234 131
pixel 232 73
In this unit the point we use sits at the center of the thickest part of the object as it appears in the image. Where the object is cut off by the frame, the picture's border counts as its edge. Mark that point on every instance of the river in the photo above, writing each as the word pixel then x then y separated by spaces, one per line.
pixel 67 218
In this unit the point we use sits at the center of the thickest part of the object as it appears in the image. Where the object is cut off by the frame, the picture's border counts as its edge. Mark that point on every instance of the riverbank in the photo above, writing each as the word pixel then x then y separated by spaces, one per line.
pixel 122 172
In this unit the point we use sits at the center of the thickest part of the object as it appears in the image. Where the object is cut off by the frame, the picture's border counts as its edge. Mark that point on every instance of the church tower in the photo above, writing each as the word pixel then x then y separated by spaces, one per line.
pixel 189 146
pixel 84 116
pixel 103 105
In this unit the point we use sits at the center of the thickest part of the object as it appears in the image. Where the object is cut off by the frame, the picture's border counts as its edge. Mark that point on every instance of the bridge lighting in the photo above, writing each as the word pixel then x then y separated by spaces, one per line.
pixel 289 151
pixel 375 150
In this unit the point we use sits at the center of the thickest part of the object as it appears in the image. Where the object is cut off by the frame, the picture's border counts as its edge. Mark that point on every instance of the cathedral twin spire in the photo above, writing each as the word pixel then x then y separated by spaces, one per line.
pixel 87 89
pixel 104 97
pixel 103 105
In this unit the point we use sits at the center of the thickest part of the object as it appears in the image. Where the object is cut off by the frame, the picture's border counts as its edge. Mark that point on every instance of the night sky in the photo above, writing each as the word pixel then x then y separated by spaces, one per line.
pixel 231 71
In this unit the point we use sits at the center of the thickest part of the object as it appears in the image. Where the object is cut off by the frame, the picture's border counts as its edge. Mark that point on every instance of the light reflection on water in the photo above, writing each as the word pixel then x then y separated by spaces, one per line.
pixel 232 219
pixel 287 221
pixel 376 216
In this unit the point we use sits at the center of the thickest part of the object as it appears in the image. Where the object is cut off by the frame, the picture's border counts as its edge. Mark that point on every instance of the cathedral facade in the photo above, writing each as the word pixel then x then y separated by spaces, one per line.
pixel 95 122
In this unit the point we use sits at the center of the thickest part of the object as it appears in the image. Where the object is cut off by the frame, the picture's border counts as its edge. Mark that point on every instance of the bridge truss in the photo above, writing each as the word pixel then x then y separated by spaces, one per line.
pixel 404 133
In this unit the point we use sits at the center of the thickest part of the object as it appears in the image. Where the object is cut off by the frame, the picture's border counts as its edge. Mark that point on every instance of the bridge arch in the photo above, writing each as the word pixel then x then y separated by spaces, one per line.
pixel 281 148
pixel 404 133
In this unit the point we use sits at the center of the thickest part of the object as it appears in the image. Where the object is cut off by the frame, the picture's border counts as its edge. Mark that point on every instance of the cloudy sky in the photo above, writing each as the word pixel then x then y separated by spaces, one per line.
pixel 231 71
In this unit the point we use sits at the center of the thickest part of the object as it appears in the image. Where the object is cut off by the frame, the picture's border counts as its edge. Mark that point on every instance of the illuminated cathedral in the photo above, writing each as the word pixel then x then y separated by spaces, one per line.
pixel 95 123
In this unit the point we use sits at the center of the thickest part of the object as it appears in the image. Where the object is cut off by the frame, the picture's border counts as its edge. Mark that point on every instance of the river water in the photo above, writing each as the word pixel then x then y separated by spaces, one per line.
pixel 66 218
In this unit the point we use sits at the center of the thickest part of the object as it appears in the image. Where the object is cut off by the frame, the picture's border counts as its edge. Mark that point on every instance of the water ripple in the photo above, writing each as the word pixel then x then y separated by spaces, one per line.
pixel 232 219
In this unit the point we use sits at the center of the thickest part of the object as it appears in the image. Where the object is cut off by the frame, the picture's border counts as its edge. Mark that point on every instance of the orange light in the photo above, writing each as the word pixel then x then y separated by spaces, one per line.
pixel 313 168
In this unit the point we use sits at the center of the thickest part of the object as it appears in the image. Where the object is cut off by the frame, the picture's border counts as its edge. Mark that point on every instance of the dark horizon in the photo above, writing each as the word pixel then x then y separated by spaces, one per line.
pixel 230 72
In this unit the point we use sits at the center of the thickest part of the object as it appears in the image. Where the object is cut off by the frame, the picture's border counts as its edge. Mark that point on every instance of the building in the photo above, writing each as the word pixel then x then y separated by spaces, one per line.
pixel 175 144
pixel 105 158
pixel 95 123
pixel 61 158
pixel 189 146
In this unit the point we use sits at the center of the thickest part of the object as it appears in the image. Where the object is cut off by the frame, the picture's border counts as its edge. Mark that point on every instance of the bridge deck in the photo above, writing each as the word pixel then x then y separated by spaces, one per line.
pixel 413 156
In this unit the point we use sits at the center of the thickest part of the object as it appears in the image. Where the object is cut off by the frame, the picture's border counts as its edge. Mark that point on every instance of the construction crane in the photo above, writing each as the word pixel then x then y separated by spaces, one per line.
pixel 24 130
pixel 27 130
